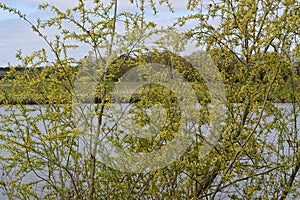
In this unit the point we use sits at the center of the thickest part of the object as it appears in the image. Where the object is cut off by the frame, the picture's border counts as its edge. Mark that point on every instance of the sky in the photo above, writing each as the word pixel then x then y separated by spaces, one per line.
pixel 15 34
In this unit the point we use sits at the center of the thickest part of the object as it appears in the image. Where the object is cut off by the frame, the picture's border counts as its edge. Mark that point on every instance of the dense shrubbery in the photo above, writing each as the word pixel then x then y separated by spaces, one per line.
pixel 48 153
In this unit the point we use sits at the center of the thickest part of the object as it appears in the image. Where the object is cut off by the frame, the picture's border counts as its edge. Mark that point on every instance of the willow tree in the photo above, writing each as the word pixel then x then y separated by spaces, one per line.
pixel 255 45
pixel 50 153
pixel 44 155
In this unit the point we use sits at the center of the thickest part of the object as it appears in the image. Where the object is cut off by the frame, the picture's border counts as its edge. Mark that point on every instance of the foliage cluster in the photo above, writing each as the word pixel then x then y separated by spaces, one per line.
pixel 254 44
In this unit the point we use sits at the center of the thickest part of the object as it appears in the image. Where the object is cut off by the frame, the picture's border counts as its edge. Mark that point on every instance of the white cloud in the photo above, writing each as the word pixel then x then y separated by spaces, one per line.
pixel 16 34
pixel 58 3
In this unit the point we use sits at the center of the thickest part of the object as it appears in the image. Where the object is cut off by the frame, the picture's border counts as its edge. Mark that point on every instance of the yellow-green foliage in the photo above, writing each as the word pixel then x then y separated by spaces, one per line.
pixel 48 153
